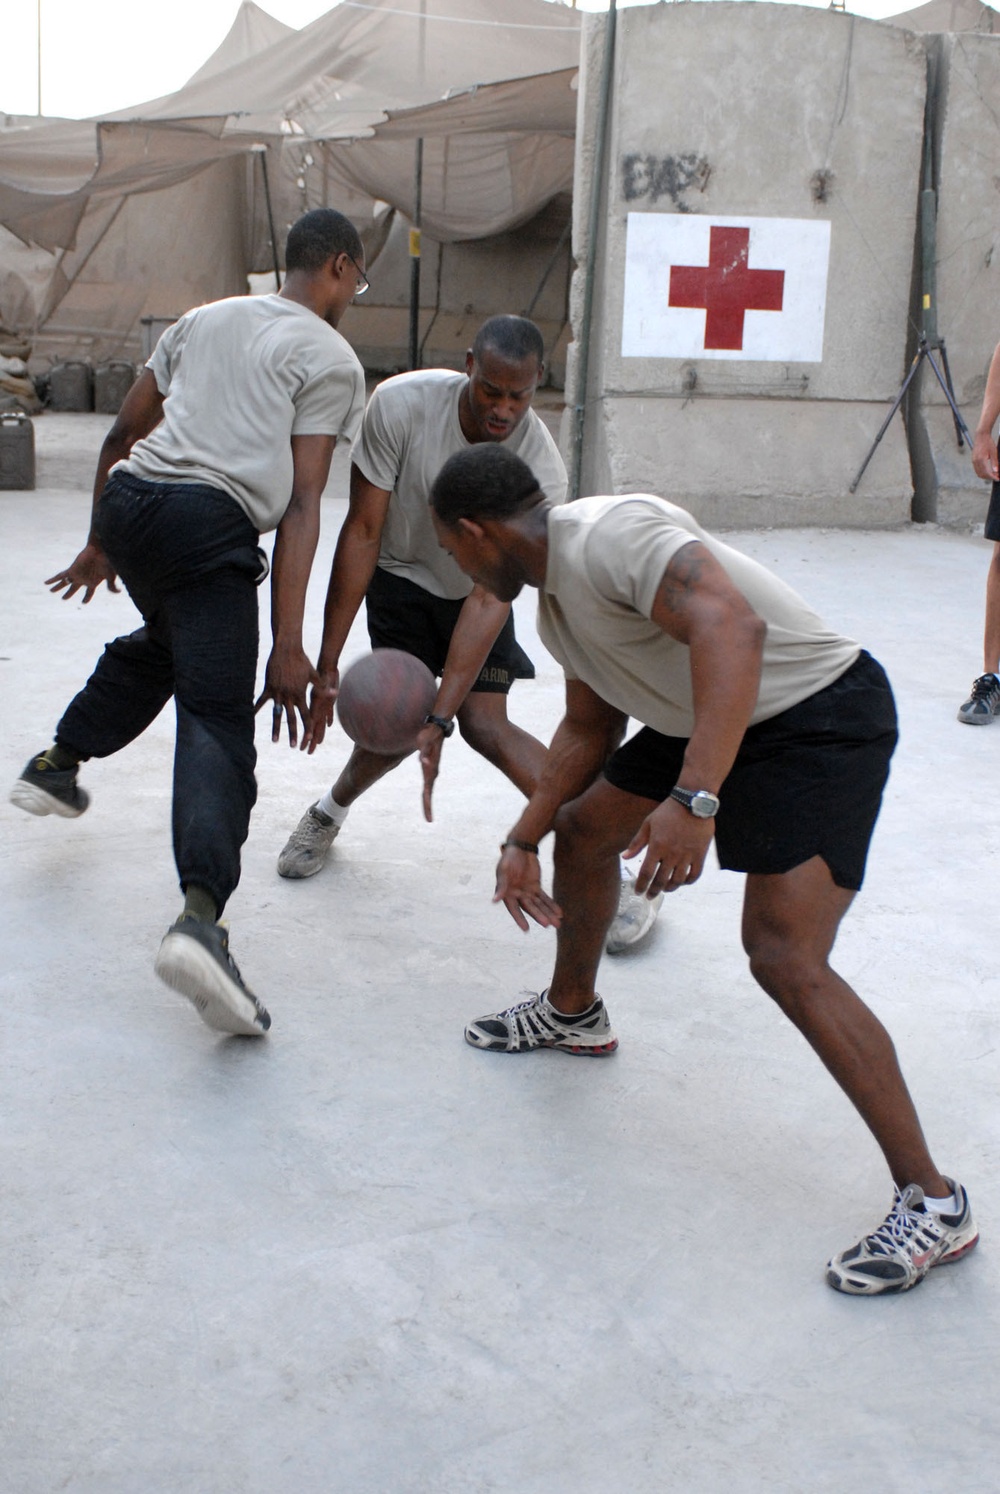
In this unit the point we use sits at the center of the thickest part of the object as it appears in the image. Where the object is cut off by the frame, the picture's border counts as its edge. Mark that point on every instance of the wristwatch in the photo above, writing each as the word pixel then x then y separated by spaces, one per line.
pixel 702 804
pixel 444 725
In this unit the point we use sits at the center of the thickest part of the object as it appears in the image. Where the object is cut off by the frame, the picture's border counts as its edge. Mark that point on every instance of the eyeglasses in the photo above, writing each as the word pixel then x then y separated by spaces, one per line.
pixel 363 281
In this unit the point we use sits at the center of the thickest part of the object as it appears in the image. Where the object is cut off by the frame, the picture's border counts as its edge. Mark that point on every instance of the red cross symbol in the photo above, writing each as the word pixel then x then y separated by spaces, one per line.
pixel 726 289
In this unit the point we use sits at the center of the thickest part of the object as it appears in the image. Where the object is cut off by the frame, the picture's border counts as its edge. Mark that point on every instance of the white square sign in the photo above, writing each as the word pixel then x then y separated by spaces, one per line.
pixel 700 287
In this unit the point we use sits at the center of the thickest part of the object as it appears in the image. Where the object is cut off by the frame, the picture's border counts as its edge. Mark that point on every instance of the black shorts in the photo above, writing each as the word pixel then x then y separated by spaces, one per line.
pixel 806 783
pixel 403 615
pixel 992 530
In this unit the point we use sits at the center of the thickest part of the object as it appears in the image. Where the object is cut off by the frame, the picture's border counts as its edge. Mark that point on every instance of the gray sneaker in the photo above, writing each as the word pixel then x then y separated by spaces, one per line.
pixel 194 959
pixel 634 919
pixel 42 789
pixel 984 702
pixel 308 845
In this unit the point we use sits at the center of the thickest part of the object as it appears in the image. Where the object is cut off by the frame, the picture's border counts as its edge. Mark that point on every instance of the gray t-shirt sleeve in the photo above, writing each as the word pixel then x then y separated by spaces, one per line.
pixel 161 361
pixel 379 452
pixel 331 403
pixel 629 550
pixel 538 448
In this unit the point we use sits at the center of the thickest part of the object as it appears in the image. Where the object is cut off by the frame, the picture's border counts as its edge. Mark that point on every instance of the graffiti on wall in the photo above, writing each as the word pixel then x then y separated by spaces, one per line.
pixel 651 178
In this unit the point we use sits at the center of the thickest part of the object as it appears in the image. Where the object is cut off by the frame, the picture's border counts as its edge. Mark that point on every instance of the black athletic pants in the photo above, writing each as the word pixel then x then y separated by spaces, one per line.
pixel 188 555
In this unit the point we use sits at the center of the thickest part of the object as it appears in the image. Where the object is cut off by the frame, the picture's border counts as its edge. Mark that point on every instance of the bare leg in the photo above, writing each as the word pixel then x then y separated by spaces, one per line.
pixel 485 725
pixel 991 635
pixel 591 833
pixel 790 923
pixel 361 770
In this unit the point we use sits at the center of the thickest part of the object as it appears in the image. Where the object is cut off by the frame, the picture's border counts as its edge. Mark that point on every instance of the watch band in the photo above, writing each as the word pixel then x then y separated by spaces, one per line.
pixel 702 804
pixel 444 724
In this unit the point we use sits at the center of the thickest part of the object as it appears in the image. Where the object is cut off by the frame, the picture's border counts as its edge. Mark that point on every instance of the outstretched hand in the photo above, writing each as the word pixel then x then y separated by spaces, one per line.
pixel 676 844
pixel 88 570
pixel 322 699
pixel 429 744
pixel 519 888
pixel 287 679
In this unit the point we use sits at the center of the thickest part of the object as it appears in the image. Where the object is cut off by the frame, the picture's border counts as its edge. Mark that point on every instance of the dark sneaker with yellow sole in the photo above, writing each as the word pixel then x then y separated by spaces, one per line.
pixel 43 789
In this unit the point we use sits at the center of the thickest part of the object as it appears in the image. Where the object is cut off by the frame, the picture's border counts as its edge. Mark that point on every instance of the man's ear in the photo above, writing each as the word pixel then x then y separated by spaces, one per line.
pixel 470 362
pixel 470 528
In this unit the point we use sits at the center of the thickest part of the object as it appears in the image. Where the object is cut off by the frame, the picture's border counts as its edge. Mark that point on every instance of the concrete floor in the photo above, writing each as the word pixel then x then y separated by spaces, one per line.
pixel 360 1257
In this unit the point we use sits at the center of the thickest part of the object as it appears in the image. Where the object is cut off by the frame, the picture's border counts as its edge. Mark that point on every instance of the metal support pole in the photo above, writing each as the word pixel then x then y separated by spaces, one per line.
pixel 418 185
pixel 593 228
pixel 261 150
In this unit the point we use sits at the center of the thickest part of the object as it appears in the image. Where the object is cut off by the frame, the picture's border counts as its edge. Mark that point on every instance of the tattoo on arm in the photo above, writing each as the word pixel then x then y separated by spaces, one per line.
pixel 683 576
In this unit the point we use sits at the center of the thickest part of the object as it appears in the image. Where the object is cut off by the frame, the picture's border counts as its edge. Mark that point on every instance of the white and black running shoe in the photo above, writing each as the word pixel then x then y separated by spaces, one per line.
pixel 536 1024
pixel 899 1254
pixel 194 959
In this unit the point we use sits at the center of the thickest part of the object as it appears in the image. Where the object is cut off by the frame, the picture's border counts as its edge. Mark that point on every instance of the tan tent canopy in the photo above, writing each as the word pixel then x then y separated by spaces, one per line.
pixel 107 197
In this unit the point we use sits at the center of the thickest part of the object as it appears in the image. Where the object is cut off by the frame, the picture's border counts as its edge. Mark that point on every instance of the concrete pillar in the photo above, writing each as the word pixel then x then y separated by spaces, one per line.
pixel 757 113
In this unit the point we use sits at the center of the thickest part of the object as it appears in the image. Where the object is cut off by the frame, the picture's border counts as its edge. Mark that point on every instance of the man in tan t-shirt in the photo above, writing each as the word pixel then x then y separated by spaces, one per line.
pixel 764 730
pixel 418 600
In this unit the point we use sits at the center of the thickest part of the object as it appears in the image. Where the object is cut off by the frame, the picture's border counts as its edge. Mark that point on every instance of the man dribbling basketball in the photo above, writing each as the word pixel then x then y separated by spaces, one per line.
pixel 417 598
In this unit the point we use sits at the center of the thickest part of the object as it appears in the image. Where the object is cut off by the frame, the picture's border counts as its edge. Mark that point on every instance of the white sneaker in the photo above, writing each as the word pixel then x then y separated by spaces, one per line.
pixel 308 845
pixel 635 917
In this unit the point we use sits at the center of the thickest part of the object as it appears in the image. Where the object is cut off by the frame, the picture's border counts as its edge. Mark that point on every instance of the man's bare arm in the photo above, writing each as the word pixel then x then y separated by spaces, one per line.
pixel 354 562
pixel 589 732
pixel 984 448
pixel 289 672
pixel 141 412
pixel 699 606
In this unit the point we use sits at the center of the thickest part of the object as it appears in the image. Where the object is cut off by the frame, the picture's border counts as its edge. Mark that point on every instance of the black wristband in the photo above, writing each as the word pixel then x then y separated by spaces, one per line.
pixel 519 845
pixel 444 724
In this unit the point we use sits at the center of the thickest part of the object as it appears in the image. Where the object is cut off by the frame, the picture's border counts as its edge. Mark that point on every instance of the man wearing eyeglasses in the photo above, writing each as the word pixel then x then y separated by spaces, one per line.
pixel 228 432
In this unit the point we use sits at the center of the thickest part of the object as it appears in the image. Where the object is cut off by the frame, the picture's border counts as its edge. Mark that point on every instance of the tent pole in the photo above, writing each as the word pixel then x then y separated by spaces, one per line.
pixel 418 183
pixel 261 150
pixel 593 226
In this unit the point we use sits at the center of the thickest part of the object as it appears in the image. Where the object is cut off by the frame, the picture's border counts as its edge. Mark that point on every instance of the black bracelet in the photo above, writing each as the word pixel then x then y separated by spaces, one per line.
pixel 519 845
pixel 444 724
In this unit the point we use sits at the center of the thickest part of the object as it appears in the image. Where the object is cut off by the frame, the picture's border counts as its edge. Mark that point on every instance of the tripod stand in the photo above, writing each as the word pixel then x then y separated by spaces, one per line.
pixel 923 351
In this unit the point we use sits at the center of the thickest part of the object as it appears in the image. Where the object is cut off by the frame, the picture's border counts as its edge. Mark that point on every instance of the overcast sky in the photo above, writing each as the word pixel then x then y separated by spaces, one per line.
pixel 102 55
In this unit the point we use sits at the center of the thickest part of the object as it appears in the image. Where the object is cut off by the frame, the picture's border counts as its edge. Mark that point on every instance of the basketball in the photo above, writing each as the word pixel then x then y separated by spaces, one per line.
pixel 383 700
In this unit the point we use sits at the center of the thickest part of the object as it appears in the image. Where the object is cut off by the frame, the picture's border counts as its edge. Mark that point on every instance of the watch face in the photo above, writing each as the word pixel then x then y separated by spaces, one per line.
pixel 704 805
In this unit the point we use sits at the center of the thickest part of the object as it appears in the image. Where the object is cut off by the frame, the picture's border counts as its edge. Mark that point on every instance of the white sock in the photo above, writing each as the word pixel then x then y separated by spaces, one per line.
pixel 949 1205
pixel 329 806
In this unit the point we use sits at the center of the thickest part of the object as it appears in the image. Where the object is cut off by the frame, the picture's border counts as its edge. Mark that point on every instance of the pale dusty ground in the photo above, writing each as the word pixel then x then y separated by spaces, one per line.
pixel 361 1257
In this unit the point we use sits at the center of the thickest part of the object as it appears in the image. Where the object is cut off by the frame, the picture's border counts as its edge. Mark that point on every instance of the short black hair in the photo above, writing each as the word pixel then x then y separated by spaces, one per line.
pixel 513 337
pixel 319 236
pixel 485 482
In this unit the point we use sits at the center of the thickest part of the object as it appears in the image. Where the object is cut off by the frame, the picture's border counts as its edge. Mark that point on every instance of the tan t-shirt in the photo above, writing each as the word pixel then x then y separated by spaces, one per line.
pixel 410 429
pixel 241 377
pixel 607 557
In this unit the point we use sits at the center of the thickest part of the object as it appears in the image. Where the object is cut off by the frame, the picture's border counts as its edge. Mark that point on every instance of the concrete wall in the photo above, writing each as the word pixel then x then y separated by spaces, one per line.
pixel 966 117
pixel 766 111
